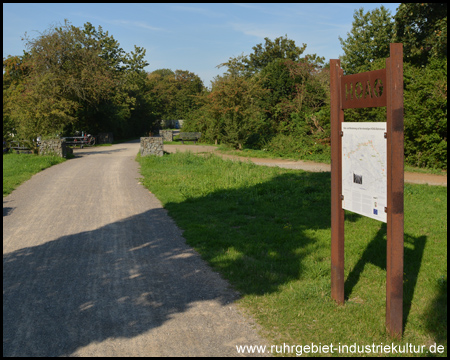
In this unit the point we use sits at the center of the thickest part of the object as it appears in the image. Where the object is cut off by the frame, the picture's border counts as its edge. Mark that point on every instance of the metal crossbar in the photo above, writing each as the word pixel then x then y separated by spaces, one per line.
pixel 79 140
pixel 19 147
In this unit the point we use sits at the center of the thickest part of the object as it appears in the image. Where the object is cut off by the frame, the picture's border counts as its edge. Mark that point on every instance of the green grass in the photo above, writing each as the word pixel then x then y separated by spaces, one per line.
pixel 267 230
pixel 187 142
pixel 18 168
pixel 320 158
pixel 177 141
pixel 425 170
pixel 267 154
pixel 264 154
pixel 248 153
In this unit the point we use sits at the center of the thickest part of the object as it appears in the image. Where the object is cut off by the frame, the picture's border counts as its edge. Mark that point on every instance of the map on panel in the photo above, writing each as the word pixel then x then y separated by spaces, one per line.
pixel 364 173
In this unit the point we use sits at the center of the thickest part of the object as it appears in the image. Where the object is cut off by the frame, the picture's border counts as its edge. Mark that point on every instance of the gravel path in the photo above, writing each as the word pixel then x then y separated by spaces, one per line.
pixel 94 266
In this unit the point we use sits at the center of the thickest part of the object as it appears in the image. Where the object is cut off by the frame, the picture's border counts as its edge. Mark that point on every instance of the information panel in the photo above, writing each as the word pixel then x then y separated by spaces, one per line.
pixel 364 174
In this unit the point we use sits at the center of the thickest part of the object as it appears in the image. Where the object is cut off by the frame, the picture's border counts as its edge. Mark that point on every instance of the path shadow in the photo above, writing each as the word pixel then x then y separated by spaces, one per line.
pixel 117 281
pixel 267 228
pixel 96 151
pixel 6 209
pixel 375 253
pixel 435 315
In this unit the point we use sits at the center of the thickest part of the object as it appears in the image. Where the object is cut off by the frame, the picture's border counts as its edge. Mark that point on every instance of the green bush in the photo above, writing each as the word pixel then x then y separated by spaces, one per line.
pixel 298 147
pixel 425 104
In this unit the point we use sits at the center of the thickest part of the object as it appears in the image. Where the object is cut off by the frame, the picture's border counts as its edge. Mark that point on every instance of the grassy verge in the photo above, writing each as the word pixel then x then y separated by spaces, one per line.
pixel 18 168
pixel 178 142
pixel 425 170
pixel 267 230
pixel 316 158
pixel 266 154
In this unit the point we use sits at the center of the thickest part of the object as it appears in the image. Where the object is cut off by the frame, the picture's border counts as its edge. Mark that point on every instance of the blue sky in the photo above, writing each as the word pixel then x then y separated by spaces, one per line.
pixel 189 36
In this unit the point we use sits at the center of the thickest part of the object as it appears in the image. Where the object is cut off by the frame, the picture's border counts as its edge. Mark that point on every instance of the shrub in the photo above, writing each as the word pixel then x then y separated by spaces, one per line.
pixel 425 108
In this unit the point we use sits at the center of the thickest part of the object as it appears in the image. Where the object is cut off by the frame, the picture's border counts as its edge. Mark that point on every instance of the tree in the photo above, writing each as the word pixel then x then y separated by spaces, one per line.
pixel 65 74
pixel 73 59
pixel 205 118
pixel 293 88
pixel 285 94
pixel 76 79
pixel 162 93
pixel 15 71
pixel 422 28
pixel 110 50
pixel 368 40
pixel 280 48
pixel 173 92
pixel 236 66
pixel 236 100
pixel 188 85
pixel 230 112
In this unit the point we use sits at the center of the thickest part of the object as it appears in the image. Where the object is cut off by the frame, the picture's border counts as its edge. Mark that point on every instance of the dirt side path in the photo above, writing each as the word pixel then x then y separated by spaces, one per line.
pixel 415 178
pixel 94 266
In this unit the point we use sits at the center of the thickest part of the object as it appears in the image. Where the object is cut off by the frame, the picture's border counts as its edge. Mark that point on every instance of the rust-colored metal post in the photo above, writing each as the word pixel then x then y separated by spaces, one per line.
pixel 337 212
pixel 395 180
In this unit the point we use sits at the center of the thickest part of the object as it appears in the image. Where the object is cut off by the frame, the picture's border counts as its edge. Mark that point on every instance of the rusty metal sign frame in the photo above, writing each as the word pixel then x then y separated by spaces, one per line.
pixel 364 89
pixel 371 89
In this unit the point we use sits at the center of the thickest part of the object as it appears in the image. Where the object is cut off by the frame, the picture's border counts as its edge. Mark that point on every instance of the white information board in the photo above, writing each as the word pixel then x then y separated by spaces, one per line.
pixel 364 173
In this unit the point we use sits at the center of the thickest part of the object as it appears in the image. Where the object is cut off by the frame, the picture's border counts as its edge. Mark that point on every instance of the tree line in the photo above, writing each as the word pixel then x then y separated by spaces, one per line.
pixel 275 99
pixel 80 79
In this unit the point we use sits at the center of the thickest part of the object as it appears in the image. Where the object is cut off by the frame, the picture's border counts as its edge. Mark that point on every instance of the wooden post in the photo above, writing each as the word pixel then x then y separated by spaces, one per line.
pixel 395 181
pixel 337 212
